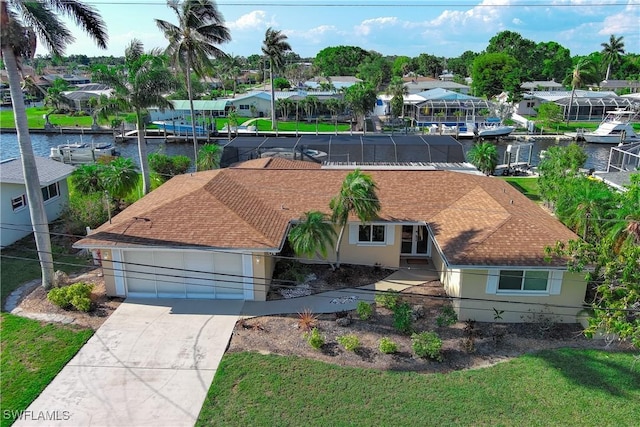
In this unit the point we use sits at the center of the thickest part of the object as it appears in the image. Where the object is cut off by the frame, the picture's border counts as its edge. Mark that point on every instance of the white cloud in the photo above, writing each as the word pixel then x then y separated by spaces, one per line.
pixel 368 25
pixel 517 21
pixel 313 34
pixel 625 22
pixel 249 21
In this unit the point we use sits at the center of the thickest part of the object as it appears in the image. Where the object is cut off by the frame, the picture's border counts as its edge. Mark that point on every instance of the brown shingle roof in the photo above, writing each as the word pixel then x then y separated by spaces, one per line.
pixel 475 220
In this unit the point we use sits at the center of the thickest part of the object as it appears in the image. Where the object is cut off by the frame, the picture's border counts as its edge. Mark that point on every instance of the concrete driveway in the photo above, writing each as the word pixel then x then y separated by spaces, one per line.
pixel 150 364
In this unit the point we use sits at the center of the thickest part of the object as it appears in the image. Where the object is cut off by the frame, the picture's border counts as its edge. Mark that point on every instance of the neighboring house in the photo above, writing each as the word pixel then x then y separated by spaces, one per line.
pixel 422 85
pixel 340 83
pixel 216 234
pixel 203 108
pixel 80 97
pixel 620 86
pixel 16 221
pixel 71 79
pixel 541 86
pixel 586 105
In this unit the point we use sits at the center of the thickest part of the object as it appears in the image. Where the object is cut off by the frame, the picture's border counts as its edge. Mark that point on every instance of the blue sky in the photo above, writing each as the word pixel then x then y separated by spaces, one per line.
pixel 391 27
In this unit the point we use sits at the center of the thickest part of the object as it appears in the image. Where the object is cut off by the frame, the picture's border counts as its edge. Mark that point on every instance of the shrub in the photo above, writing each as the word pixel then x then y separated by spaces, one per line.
pixel 387 346
pixel 349 342
pixel 168 166
pixel 427 344
pixel 85 211
pixel 364 310
pixel 76 296
pixel 388 299
pixel 307 320
pixel 314 339
pixel 403 318
pixel 447 316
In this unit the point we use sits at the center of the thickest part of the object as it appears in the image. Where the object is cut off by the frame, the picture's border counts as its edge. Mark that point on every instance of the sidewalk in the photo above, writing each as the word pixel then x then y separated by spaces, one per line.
pixel 338 300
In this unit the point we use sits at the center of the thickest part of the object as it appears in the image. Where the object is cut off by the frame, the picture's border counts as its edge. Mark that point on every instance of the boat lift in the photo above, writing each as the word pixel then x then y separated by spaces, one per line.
pixel 516 159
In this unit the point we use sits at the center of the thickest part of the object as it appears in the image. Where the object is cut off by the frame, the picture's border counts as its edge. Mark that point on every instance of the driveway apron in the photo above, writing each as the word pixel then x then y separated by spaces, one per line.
pixel 150 364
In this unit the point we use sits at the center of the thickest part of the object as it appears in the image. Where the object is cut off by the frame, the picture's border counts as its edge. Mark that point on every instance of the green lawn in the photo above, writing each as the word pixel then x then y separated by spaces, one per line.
pixel 32 355
pixel 526 185
pixel 563 387
pixel 36 121
pixel 16 270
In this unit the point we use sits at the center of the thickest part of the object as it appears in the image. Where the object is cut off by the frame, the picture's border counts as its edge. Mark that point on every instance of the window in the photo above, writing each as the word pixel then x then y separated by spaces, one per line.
pixel 50 191
pixel 371 234
pixel 18 203
pixel 521 280
pixel 244 107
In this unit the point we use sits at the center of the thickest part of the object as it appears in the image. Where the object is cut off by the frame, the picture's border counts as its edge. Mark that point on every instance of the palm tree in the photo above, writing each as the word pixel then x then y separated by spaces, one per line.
pixel 312 235
pixel 22 24
pixel 209 157
pixel 200 28
pixel 274 47
pixel 583 73
pixel 357 196
pixel 625 230
pixel 335 106
pixel 612 52
pixel 139 84
pixel 361 98
pixel 484 156
pixel 119 177
pixel 397 90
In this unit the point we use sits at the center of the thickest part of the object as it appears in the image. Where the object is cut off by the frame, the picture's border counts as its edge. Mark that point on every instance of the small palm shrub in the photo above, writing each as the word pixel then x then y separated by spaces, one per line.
pixel 387 345
pixel 77 296
pixel 364 310
pixel 387 299
pixel 447 316
pixel 427 344
pixel 403 318
pixel 350 342
pixel 315 339
pixel 307 320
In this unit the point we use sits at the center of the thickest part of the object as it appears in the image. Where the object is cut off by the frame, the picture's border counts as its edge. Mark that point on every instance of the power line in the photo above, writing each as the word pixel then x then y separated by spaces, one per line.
pixel 234 280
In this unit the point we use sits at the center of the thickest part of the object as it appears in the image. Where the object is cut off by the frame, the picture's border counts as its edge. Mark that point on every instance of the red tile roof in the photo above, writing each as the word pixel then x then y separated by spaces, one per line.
pixel 475 220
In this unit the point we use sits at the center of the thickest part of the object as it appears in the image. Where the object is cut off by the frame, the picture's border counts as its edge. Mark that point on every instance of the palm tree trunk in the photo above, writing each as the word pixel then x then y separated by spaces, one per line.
pixel 338 242
pixel 274 120
pixel 570 103
pixel 142 153
pixel 608 71
pixel 37 211
pixel 193 116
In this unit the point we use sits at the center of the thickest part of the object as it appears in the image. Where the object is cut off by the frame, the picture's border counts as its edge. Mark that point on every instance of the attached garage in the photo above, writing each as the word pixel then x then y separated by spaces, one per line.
pixel 184 274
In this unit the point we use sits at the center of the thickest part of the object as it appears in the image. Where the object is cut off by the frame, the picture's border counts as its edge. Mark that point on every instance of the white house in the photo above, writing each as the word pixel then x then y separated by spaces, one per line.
pixel 16 221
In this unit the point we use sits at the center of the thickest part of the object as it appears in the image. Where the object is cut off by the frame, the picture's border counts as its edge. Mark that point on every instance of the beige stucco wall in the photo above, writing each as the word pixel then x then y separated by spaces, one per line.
pixel 108 272
pixel 263 266
pixel 516 308
pixel 387 255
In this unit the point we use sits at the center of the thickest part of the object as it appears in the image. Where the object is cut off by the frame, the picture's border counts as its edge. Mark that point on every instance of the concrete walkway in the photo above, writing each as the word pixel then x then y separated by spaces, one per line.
pixel 150 364
pixel 339 300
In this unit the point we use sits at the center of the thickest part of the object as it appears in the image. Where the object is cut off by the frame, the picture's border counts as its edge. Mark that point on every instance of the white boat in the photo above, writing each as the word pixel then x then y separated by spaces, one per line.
pixel 289 153
pixel 492 128
pixel 616 128
pixel 82 153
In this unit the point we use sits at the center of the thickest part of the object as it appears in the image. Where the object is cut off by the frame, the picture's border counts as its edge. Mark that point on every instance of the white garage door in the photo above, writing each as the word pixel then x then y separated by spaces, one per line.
pixel 167 274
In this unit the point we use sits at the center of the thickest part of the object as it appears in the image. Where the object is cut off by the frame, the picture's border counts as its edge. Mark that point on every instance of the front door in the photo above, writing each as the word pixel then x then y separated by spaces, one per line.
pixel 415 240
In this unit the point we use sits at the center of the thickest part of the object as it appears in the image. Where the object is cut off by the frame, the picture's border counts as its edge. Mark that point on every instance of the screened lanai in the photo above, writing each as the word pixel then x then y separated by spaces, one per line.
pixel 588 109
pixel 356 149
pixel 450 108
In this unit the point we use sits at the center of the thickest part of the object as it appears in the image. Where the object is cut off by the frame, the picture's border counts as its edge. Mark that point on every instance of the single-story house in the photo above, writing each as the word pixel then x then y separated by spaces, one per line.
pixel 16 220
pixel 217 234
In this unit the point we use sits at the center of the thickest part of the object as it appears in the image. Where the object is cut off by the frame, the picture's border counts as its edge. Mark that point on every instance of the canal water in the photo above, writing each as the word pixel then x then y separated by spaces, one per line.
pixel 598 154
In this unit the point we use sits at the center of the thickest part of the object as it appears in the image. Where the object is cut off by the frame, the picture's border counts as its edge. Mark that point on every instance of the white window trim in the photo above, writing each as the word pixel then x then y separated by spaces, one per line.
pixel 57 185
pixel 554 283
pixel 389 234
pixel 23 198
